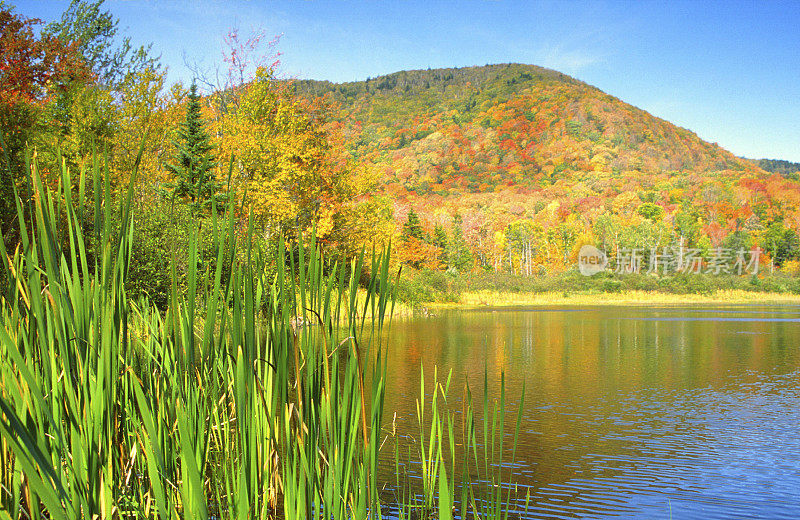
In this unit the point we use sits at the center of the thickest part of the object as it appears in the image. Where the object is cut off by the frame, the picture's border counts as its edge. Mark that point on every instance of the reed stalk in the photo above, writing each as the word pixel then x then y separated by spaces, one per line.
pixel 254 396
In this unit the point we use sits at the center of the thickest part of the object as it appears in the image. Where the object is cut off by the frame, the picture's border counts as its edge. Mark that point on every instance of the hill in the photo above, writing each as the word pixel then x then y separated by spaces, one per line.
pixel 522 118
pixel 785 168
pixel 499 148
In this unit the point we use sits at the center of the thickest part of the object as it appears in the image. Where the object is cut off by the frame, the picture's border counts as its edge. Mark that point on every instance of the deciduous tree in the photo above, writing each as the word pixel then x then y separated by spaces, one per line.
pixel 33 69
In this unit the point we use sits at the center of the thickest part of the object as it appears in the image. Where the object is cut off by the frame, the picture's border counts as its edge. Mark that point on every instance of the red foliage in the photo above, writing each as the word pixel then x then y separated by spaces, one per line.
pixel 31 67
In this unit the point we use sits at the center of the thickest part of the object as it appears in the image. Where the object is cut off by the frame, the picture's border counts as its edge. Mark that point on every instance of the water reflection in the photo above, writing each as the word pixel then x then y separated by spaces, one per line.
pixel 630 412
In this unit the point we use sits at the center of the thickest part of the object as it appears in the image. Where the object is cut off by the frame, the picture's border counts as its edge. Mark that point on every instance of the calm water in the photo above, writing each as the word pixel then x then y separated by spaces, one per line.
pixel 629 412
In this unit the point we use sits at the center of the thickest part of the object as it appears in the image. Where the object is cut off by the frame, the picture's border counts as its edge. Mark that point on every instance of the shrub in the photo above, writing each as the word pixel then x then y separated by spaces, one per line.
pixel 611 285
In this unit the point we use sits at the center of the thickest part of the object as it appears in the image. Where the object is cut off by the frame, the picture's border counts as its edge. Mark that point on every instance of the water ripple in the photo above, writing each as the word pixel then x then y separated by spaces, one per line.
pixel 678 413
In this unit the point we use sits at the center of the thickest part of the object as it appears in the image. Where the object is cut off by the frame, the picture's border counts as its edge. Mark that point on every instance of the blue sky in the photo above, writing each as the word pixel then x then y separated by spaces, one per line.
pixel 727 70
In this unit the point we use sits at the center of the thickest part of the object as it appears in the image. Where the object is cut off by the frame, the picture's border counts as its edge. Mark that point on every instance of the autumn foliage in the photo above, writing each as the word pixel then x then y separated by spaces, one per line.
pixel 32 67
pixel 507 168
pixel 534 164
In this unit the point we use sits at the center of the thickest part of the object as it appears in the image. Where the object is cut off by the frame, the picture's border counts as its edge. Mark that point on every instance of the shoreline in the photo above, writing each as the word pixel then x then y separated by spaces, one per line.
pixel 503 299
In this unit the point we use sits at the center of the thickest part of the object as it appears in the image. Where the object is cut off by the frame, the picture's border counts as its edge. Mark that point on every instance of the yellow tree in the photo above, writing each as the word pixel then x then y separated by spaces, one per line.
pixel 99 121
pixel 145 117
pixel 297 176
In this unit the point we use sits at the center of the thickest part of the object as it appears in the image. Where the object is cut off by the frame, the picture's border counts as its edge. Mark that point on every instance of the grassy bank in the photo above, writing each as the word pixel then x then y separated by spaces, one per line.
pixel 487 298
pixel 426 288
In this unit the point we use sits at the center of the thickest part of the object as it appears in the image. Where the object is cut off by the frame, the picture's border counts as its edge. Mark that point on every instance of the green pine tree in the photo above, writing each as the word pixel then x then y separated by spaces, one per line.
pixel 193 163
pixel 413 227
pixel 459 256
pixel 440 241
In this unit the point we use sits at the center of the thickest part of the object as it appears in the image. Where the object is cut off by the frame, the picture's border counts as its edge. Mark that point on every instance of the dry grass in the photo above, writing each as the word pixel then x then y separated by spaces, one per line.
pixel 643 298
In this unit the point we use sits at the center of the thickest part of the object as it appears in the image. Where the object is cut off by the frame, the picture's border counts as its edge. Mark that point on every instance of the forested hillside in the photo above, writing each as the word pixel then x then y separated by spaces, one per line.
pixel 513 167
pixel 502 168
pixel 785 168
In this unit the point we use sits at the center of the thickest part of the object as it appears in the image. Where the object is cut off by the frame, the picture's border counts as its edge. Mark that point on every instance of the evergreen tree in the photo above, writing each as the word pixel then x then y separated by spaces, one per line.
pixel 193 164
pixel 440 241
pixel 459 256
pixel 413 227
pixel 780 242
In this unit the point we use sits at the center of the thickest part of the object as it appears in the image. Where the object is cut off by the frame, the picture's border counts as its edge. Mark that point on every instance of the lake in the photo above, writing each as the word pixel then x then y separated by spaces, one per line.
pixel 633 412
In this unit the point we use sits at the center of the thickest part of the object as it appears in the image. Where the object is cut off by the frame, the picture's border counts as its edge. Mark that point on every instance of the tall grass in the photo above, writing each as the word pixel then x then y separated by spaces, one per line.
pixel 254 396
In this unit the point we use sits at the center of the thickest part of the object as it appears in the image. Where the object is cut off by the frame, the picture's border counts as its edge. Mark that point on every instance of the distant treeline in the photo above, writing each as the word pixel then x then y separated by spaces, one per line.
pixel 785 168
